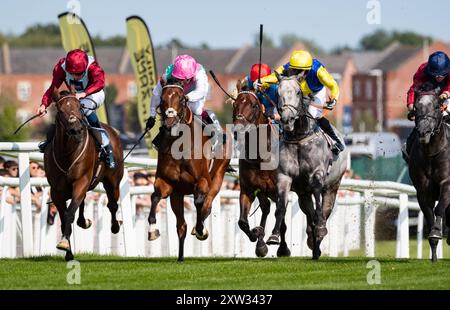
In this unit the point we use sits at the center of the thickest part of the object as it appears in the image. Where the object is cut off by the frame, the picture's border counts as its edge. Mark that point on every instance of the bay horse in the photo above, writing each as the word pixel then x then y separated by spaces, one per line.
pixel 255 182
pixel 73 167
pixel 306 165
pixel 189 174
pixel 429 166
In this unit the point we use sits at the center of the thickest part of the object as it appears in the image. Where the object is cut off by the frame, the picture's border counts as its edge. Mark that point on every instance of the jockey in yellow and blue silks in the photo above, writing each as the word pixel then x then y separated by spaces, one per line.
pixel 314 80
pixel 267 96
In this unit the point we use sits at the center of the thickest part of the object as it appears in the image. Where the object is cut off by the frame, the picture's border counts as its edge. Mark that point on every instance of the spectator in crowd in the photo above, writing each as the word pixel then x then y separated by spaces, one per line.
pixel 36 191
pixel 12 195
pixel 12 167
pixel 142 201
pixel 2 162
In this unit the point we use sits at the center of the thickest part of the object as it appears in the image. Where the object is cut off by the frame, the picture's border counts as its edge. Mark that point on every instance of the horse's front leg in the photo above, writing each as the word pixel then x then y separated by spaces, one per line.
pixel 79 189
pixel 162 191
pixel 202 202
pixel 284 186
pixel 82 222
pixel 443 203
pixel 245 202
pixel 320 229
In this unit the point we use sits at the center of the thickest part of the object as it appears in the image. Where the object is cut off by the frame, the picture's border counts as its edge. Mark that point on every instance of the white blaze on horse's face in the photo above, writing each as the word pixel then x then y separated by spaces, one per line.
pixel 171 112
pixel 290 96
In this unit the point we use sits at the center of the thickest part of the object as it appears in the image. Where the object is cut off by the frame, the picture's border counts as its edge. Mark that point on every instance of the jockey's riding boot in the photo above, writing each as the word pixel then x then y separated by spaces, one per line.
pixel 50 133
pixel 326 126
pixel 406 148
pixel 211 119
pixel 446 119
pixel 109 156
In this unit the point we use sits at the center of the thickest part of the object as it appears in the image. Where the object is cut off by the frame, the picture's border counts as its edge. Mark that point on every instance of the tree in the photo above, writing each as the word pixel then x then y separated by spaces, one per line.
pixel 289 39
pixel 117 40
pixel 38 35
pixel 267 41
pixel 380 39
pixel 176 43
pixel 9 121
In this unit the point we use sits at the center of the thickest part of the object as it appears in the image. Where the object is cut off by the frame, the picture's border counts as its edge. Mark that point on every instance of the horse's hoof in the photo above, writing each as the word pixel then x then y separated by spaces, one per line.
pixel 434 259
pixel 63 245
pixel 274 239
pixel 202 237
pixel 321 232
pixel 448 238
pixel 261 249
pixel 435 234
pixel 84 224
pixel 193 231
pixel 283 251
pixel 69 256
pixel 258 232
pixel 180 260
pixel 316 254
pixel 115 227
pixel 153 235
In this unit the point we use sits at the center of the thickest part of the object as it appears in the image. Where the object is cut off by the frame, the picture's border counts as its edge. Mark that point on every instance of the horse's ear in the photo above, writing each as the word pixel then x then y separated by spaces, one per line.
pixel 162 82
pixel 278 76
pixel 55 94
pixel 239 85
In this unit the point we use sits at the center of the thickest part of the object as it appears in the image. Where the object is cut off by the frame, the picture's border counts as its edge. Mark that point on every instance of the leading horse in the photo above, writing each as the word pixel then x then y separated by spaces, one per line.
pixel 429 166
pixel 255 180
pixel 181 170
pixel 306 166
pixel 73 167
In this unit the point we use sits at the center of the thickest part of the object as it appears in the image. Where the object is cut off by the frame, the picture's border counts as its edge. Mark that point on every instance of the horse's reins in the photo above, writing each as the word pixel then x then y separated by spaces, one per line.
pixel 84 146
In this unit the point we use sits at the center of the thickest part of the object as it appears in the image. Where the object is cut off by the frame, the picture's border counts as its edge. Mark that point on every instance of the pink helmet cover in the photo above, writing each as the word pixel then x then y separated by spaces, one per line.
pixel 185 67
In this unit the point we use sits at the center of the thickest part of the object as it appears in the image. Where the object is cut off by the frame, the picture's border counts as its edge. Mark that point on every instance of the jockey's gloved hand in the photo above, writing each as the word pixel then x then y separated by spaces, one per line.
pixel 257 85
pixel 331 104
pixel 150 123
pixel 445 95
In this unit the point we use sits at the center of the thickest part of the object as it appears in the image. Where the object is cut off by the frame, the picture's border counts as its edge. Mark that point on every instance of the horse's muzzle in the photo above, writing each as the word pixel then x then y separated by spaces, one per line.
pixel 425 139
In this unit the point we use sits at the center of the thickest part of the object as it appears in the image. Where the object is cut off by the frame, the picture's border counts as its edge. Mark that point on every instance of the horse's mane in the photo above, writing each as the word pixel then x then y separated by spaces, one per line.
pixel 64 93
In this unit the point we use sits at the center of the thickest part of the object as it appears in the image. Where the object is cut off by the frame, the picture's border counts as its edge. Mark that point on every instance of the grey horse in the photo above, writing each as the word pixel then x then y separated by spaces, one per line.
pixel 429 166
pixel 306 166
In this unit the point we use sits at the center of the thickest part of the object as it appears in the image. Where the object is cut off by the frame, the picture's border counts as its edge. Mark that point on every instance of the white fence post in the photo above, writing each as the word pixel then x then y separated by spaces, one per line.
pixel 125 207
pixel 172 234
pixel 369 220
pixel 402 247
pixel 25 203
pixel 216 228
pixel 419 234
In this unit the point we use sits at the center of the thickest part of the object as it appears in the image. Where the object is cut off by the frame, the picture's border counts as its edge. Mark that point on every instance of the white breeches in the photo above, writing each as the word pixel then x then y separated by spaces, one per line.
pixel 319 99
pixel 93 101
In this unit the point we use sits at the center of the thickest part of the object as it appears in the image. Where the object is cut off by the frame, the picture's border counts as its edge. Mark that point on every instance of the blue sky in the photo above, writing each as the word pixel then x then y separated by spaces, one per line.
pixel 231 23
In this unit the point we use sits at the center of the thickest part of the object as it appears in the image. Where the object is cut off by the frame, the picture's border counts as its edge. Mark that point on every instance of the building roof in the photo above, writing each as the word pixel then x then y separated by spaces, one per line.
pixel 270 56
pixel 335 63
pixel 365 60
pixel 396 57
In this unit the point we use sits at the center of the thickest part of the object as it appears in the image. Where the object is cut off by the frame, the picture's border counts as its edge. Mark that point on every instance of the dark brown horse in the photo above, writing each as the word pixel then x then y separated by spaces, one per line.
pixel 71 162
pixel 255 182
pixel 190 174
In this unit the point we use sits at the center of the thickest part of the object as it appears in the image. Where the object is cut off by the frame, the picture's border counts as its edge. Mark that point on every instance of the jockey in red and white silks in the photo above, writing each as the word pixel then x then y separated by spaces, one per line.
pixel 83 74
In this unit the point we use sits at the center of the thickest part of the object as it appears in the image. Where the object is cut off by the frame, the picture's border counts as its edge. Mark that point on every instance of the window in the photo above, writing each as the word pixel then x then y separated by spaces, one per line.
pixel 131 89
pixel 24 91
pixel 357 89
pixel 369 90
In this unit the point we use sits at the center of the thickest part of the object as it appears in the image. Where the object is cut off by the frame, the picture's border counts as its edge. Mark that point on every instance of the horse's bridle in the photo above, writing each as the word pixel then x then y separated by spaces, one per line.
pixel 439 119
pixel 241 116
pixel 171 112
pixel 63 120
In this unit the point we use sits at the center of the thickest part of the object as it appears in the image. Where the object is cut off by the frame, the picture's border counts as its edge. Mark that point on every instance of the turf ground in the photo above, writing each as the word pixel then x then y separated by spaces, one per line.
pixel 110 272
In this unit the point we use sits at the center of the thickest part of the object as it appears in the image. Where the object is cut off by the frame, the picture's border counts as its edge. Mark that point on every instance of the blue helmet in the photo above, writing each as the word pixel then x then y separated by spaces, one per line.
pixel 438 64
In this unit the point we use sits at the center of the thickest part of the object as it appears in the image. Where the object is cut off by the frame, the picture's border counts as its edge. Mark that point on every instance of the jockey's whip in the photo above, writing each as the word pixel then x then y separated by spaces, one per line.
pixel 28 120
pixel 260 51
pixel 136 144
pixel 218 84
